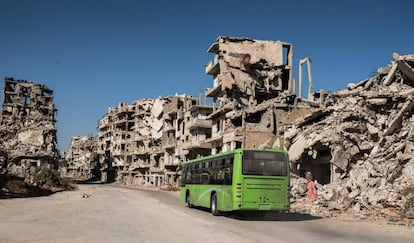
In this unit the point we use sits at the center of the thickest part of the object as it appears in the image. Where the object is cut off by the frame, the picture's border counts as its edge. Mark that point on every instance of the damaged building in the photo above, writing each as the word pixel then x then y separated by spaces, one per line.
pixel 358 143
pixel 360 146
pixel 253 93
pixel 81 158
pixel 144 142
pixel 253 97
pixel 27 127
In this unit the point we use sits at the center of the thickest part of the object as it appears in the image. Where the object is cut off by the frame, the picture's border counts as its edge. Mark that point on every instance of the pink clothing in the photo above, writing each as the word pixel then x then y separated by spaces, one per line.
pixel 311 194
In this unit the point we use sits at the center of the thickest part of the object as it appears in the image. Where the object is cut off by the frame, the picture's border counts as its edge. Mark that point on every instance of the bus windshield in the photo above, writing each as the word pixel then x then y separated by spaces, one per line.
pixel 264 163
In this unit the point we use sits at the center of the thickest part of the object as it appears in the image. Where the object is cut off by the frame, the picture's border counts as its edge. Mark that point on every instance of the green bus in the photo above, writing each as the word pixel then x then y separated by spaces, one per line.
pixel 238 180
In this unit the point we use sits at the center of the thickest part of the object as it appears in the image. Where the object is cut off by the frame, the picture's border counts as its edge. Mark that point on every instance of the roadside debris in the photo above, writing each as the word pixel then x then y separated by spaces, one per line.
pixel 360 146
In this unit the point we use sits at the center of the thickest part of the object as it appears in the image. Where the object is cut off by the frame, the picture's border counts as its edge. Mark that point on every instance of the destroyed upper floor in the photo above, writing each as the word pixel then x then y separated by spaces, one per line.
pixel 27 127
pixel 23 99
pixel 249 71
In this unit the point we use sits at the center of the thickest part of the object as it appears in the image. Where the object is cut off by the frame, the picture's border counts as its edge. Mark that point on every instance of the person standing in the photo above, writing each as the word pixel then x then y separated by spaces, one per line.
pixel 311 194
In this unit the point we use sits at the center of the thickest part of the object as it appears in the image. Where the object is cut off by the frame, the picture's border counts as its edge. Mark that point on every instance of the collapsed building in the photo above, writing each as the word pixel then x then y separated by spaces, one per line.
pixel 253 93
pixel 27 128
pixel 360 146
pixel 81 158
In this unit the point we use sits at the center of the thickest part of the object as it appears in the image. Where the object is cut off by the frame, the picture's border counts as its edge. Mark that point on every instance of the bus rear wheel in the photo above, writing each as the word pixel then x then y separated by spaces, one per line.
pixel 213 205
pixel 187 200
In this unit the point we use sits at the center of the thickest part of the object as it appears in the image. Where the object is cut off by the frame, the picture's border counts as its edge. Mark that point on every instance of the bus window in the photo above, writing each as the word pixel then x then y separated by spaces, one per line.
pixel 228 175
pixel 264 163
pixel 229 161
pixel 188 178
pixel 220 176
pixel 205 178
pixel 183 175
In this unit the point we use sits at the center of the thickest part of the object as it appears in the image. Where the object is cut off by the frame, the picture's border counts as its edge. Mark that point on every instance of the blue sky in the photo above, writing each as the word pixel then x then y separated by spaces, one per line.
pixel 95 54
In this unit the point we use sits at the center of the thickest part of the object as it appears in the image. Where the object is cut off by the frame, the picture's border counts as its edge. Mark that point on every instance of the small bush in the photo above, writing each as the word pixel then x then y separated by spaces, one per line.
pixel 18 188
pixel 47 177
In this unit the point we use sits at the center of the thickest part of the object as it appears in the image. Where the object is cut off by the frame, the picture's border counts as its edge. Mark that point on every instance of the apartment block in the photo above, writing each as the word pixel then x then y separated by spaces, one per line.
pixel 144 142
pixel 81 158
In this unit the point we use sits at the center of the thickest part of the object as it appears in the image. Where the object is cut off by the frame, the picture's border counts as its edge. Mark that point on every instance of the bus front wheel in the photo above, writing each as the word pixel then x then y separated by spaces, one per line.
pixel 187 200
pixel 213 205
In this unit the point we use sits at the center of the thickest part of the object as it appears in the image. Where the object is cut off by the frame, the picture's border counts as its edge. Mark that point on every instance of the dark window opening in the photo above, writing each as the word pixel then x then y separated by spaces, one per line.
pixel 320 167
pixel 237 122
pixel 238 144
pixel 286 51
pixel 254 117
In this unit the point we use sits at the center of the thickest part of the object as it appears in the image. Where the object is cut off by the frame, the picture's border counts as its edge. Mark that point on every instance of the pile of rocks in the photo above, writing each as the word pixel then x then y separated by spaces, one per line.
pixel 368 131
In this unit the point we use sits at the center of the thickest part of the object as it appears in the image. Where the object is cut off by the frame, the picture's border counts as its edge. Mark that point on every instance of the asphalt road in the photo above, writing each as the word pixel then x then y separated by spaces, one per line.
pixel 107 213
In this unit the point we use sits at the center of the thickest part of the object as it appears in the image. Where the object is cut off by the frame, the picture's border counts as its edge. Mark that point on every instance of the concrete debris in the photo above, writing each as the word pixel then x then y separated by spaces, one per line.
pixel 361 150
pixel 27 129
pixel 358 143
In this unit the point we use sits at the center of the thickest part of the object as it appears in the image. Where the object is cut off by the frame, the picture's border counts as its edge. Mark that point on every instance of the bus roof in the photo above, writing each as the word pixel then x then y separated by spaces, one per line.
pixel 239 150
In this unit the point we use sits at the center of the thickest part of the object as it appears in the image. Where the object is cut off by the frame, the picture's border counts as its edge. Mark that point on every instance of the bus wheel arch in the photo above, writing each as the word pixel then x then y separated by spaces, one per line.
pixel 213 204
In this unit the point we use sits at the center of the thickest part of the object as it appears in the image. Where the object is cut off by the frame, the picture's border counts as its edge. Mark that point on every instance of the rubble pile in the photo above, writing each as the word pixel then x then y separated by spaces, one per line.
pixel 363 139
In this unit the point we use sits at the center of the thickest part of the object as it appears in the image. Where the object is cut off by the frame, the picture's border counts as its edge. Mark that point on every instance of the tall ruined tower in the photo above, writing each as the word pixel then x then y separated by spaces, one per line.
pixel 27 127
pixel 252 81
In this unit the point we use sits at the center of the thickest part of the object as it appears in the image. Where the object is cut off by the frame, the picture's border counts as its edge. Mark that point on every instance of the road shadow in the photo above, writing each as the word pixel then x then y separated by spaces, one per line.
pixel 264 216
pixel 270 216
pixel 89 181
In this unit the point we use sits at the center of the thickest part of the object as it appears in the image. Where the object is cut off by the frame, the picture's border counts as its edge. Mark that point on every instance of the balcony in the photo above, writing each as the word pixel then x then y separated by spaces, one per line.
pixel 199 123
pixel 213 92
pixel 217 136
pixel 194 144
pixel 212 69
pixel 175 162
